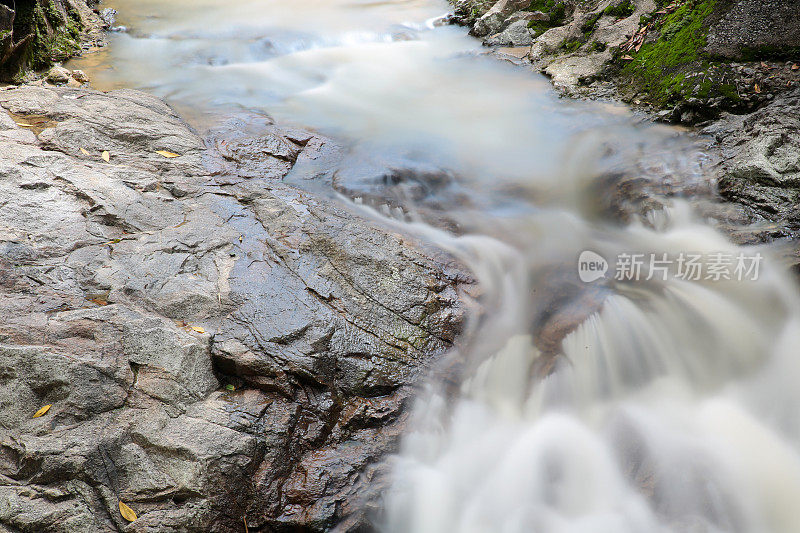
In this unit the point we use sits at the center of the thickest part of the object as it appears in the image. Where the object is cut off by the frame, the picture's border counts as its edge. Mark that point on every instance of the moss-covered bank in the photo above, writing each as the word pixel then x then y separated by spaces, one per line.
pixel 689 59
pixel 670 65
pixel 39 33
pixel 673 67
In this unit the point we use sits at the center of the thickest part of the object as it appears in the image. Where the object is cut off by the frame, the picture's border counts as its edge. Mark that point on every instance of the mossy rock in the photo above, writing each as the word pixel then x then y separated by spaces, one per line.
pixel 623 9
pixel 676 66
pixel 667 69
pixel 42 32
pixel 556 10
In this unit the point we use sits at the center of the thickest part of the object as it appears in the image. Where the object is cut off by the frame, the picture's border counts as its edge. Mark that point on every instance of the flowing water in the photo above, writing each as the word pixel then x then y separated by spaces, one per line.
pixel 659 404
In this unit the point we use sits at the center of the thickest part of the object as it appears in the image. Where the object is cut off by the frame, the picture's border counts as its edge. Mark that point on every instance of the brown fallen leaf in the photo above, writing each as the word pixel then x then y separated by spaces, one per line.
pixel 167 154
pixel 198 329
pixel 126 512
pixel 757 89
pixel 42 411
pixel 84 151
pixel 627 58
pixel 795 67
pixel 25 125
pixel 106 156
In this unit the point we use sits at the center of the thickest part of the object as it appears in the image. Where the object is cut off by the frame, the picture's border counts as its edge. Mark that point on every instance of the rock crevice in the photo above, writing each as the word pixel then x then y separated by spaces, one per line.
pixel 215 344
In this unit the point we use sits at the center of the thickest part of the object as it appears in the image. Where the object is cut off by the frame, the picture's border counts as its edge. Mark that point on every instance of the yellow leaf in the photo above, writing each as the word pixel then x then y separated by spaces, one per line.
pixel 106 156
pixel 166 154
pixel 84 151
pixel 126 512
pixel 42 411
pixel 198 329
pixel 25 125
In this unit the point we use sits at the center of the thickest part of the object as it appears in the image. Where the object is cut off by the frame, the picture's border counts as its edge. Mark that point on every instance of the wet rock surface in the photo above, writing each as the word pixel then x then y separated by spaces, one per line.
pixel 744 98
pixel 761 163
pixel 218 347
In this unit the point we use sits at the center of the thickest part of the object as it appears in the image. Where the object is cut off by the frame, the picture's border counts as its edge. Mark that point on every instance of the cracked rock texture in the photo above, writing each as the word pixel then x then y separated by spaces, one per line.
pixel 217 346
pixel 761 163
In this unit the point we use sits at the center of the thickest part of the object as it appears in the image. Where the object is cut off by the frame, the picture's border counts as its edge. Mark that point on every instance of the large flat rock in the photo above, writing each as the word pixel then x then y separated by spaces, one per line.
pixel 217 346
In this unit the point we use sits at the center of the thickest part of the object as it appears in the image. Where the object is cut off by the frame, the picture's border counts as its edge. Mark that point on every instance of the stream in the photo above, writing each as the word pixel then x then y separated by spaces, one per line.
pixel 631 370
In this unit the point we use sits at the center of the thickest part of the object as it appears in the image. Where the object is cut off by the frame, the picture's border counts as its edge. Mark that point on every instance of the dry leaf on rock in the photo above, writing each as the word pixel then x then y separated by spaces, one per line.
pixel 42 411
pixel 126 512
pixel 106 156
pixel 167 154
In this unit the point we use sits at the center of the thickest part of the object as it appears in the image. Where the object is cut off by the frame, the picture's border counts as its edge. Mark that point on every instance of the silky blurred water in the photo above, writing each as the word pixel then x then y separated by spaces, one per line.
pixel 671 407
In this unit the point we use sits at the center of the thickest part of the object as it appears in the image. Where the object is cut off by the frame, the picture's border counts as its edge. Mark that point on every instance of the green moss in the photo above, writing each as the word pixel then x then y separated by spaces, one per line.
pixel 769 52
pixel 622 10
pixel 541 5
pixel 587 30
pixel 571 45
pixel 555 10
pixel 660 68
pixel 729 91
pixel 590 23
pixel 598 46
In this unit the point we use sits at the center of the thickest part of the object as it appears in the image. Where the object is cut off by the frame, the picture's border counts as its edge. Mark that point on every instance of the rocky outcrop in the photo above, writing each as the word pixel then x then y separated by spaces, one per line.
pixel 692 59
pixel 495 18
pixel 732 67
pixel 751 28
pixel 761 163
pixel 220 350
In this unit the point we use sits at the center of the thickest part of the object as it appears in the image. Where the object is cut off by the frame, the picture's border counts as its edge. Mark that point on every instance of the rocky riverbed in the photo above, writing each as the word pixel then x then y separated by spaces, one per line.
pixel 223 351
pixel 731 69
pixel 215 347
